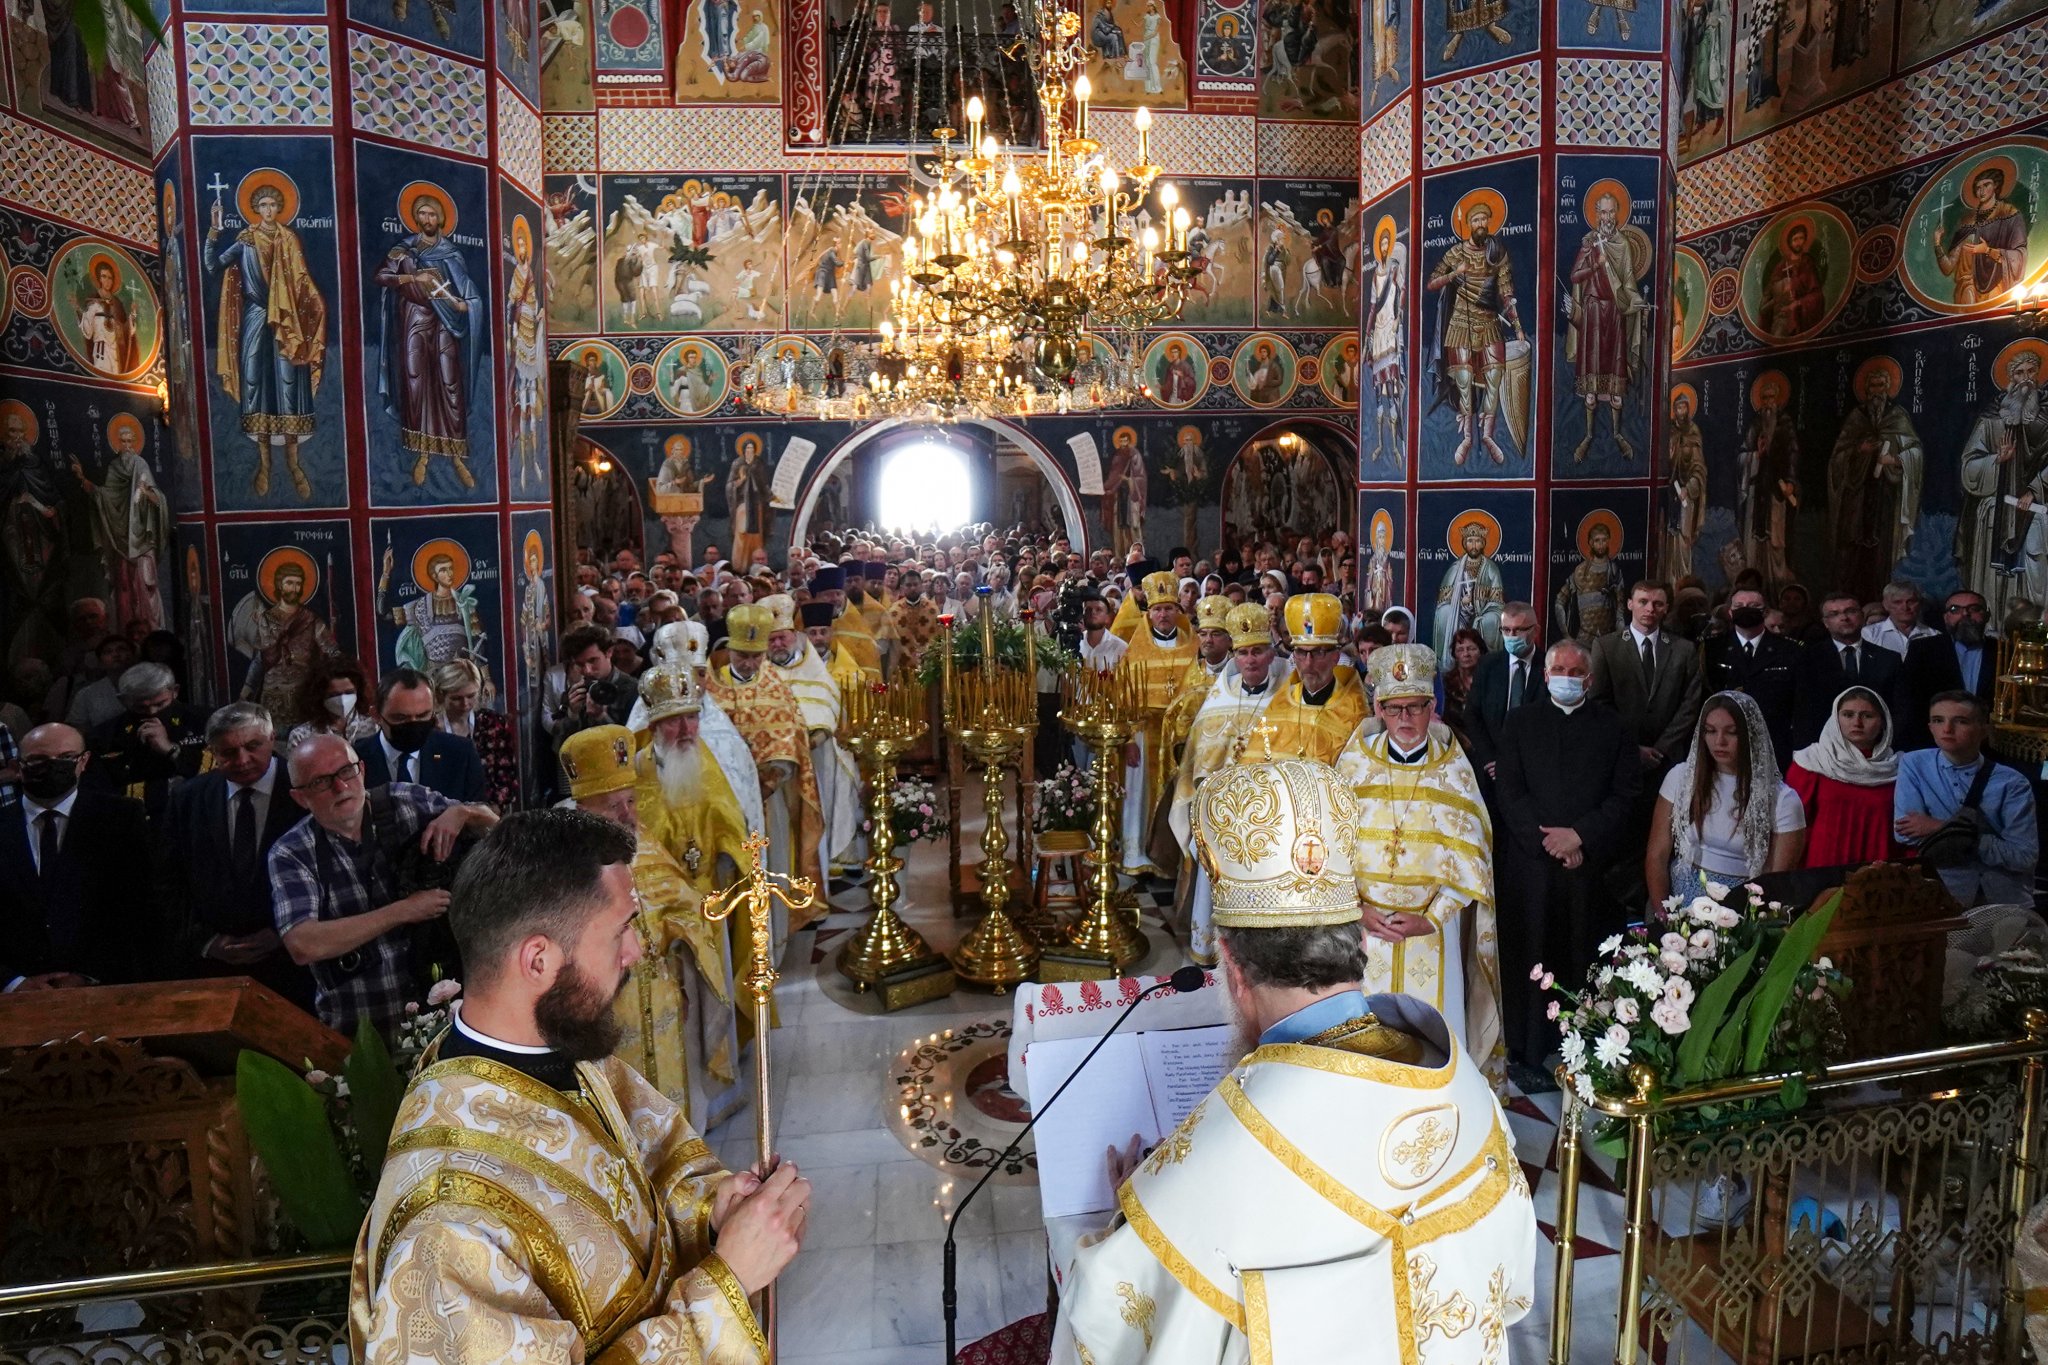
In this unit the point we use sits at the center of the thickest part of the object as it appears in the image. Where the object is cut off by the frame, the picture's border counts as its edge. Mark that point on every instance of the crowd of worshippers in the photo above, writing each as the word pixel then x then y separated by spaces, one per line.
pixel 150 836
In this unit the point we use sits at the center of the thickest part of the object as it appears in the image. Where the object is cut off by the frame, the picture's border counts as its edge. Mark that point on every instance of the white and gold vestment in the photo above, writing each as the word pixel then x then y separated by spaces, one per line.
pixel 516 1223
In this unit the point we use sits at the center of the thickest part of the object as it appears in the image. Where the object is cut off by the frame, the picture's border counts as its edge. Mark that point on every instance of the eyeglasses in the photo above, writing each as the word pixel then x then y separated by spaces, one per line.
pixel 1965 609
pixel 1406 710
pixel 327 782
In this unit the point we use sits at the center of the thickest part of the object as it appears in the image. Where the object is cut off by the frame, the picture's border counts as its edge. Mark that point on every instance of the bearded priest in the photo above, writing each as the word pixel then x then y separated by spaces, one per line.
pixel 539 1200
pixel 1427 878
pixel 1349 1192
pixel 1159 655
pixel 1314 713
pixel 1216 739
pixel 817 696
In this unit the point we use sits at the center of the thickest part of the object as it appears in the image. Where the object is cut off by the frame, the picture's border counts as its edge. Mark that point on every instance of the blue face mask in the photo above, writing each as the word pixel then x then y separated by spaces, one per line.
pixel 1517 645
pixel 1566 691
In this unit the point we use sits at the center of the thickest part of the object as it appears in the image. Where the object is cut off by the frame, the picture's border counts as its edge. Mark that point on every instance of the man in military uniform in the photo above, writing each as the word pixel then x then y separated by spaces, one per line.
pixel 1427 846
pixel 1418 1223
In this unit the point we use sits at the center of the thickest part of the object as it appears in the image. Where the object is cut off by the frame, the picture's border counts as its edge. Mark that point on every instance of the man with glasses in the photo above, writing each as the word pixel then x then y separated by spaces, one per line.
pixel 1425 868
pixel 1569 777
pixel 335 887
pixel 1316 710
pixel 1961 657
pixel 1506 678
pixel 70 914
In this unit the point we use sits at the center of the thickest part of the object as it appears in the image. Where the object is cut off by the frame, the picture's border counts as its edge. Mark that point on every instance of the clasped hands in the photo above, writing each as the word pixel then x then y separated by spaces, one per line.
pixel 1562 842
pixel 760 1222
pixel 1392 926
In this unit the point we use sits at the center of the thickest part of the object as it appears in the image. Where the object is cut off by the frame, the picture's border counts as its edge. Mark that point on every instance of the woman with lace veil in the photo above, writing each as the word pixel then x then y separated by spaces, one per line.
pixel 1845 779
pixel 1724 814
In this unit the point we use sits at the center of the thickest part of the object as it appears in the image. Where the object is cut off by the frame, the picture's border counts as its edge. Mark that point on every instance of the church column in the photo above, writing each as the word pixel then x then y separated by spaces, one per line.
pixel 1521 141
pixel 351 193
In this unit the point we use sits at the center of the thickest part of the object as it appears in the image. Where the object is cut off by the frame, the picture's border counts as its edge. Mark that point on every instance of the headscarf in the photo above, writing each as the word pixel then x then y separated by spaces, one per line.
pixel 1757 821
pixel 1832 755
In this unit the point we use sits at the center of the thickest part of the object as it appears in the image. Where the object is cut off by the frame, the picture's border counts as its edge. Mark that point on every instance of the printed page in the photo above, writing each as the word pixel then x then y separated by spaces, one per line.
pixel 1104 1107
pixel 1182 1066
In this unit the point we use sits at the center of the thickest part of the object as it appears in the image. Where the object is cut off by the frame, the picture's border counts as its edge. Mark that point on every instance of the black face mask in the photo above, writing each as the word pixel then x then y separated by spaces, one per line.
pixel 1747 618
pixel 408 736
pixel 47 779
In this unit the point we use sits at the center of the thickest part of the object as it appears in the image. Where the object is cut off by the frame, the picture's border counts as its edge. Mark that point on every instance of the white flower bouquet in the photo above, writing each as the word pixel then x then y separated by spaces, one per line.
pixel 1065 801
pixel 1725 984
pixel 915 811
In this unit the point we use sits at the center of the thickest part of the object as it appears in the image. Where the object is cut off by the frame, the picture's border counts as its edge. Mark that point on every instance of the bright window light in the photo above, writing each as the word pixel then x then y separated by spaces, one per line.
pixel 925 487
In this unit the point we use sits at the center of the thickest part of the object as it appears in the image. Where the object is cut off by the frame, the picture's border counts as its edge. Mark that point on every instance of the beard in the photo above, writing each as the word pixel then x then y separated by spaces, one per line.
pixel 575 1017
pixel 680 771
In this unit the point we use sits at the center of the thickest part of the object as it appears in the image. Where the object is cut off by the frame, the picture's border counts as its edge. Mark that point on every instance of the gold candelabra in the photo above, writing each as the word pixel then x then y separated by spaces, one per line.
pixel 2019 701
pixel 755 895
pixel 880 721
pixel 992 712
pixel 1102 710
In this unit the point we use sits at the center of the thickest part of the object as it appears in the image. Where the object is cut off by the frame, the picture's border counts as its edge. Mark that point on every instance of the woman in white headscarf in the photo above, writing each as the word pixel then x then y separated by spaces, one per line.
pixel 1845 780
pixel 1724 814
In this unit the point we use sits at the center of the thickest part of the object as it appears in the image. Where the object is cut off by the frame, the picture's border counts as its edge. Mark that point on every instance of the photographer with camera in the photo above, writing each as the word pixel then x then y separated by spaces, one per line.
pixel 599 693
pixel 410 745
pixel 355 887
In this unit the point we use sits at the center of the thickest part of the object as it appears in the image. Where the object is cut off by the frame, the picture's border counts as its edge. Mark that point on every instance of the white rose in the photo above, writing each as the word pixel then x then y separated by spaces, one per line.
pixel 1627 1010
pixel 1669 1015
pixel 1671 943
pixel 1704 943
pixel 1717 890
pixel 1672 962
pixel 1679 991
pixel 443 991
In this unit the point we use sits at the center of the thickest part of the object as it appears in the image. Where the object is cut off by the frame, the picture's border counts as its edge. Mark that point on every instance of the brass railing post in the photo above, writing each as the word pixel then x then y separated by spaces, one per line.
pixel 1567 1230
pixel 2025 1169
pixel 1636 1196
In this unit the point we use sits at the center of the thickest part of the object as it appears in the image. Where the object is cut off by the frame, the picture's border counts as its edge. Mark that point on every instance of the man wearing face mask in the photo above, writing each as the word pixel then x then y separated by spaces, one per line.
pixel 69 912
pixel 1961 657
pixel 1766 666
pixel 410 747
pixel 1425 873
pixel 1506 678
pixel 1568 779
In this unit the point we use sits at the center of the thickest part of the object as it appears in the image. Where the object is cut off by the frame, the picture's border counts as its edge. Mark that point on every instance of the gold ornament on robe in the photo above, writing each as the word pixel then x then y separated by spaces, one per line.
pixel 765 712
pixel 1317 732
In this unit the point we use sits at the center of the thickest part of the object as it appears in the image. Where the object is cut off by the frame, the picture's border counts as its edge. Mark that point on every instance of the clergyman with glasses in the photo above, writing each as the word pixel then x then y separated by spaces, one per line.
pixel 337 891
pixel 1426 866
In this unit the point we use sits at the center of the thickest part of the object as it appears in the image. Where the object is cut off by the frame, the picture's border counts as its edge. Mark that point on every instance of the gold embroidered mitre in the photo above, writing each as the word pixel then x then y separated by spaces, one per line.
pixel 1279 842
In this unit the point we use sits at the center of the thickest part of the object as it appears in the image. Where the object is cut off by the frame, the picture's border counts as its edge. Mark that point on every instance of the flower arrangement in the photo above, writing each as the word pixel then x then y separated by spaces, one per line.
pixel 1064 801
pixel 1725 984
pixel 915 812
pixel 322 1135
pixel 1009 637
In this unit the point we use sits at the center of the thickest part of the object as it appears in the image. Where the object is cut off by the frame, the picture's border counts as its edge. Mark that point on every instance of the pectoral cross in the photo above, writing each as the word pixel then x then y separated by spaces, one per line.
pixel 1397 847
pixel 1265 730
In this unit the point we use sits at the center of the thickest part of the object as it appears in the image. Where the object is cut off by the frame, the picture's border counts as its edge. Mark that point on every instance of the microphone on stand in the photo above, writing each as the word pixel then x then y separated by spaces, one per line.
pixel 1183 981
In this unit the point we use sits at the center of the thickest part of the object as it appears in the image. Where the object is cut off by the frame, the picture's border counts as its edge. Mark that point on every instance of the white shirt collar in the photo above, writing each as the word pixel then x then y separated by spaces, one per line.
pixel 478 1036
pixel 33 808
pixel 1571 710
pixel 262 786
pixel 1640 637
pixel 1748 641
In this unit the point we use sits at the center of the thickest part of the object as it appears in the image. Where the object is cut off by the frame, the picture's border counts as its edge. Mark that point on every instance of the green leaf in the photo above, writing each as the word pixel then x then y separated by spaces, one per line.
pixel 1707 1015
pixel 1795 950
pixel 1792 1094
pixel 374 1089
pixel 287 1124
pixel 91 22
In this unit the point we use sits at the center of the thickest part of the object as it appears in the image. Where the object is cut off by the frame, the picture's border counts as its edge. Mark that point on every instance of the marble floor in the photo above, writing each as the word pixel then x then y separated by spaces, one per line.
pixel 865 1289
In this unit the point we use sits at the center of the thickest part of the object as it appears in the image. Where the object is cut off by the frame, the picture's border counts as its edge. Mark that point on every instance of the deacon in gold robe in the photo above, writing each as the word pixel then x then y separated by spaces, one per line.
pixel 1159 655
pixel 691 808
pixel 539 1200
pixel 763 709
pixel 1427 877
pixel 1349 1192
pixel 1217 738
pixel 1315 712
pixel 1212 659
pixel 817 696
pixel 849 626
pixel 913 621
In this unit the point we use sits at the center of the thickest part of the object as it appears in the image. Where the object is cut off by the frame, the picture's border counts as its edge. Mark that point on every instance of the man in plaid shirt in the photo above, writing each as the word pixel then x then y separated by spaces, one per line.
pixel 335 893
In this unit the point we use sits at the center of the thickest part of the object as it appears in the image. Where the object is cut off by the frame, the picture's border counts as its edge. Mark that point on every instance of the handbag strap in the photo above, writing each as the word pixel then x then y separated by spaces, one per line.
pixel 1978 784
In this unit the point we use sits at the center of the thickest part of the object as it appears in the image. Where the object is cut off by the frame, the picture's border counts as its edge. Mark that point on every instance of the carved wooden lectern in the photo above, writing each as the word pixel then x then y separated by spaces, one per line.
pixel 121 1146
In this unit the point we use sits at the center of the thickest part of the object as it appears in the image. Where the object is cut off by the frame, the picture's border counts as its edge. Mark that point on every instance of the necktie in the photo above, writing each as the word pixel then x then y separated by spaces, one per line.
pixel 404 768
pixel 244 849
pixel 1515 685
pixel 1649 663
pixel 1849 660
pixel 1749 648
pixel 46 842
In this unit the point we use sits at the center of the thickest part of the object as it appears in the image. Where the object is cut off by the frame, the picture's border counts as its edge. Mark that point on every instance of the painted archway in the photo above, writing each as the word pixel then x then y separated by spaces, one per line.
pixel 1276 491
pixel 1041 459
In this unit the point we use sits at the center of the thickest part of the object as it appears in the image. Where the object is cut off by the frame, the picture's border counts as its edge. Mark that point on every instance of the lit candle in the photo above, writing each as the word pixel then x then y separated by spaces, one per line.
pixel 1108 201
pixel 1150 241
pixel 1142 121
pixel 974 112
pixel 1082 91
pixel 1180 229
pixel 1013 187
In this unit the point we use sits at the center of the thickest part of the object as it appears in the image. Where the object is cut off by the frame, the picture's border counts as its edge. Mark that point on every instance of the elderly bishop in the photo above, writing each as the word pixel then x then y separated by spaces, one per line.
pixel 539 1200
pixel 817 695
pixel 1349 1192
pixel 1427 878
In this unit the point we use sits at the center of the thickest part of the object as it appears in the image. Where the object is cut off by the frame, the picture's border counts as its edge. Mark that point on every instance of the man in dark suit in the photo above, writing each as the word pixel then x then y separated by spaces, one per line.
pixel 1963 657
pixel 72 910
pixel 213 858
pixel 1840 659
pixel 155 741
pixel 410 747
pixel 1651 678
pixel 1569 772
pixel 1766 666
pixel 1505 679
